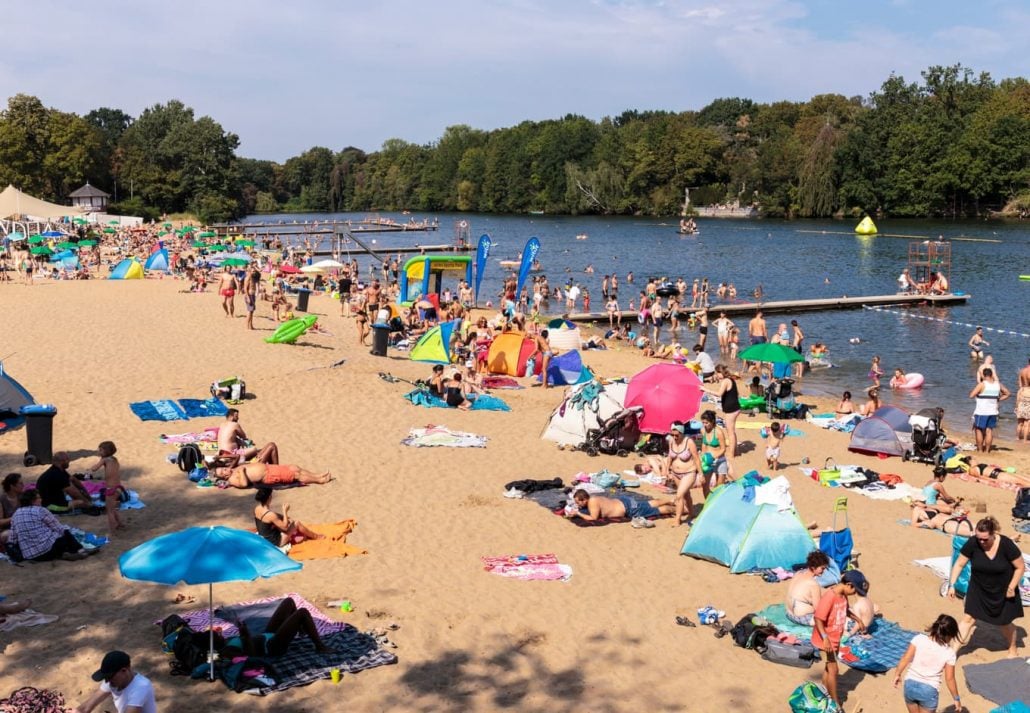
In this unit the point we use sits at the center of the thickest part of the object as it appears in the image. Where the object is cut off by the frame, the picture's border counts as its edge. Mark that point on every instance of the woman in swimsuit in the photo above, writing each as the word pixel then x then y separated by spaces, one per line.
pixel 803 592
pixel 934 494
pixel 280 530
pixel 956 523
pixel 726 390
pixel 681 469
pixel 873 405
pixel 454 393
pixel 845 407
pixel 713 448
pixel 436 381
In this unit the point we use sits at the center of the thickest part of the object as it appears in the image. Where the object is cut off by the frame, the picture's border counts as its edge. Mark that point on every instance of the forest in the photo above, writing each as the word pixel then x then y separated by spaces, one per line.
pixel 956 144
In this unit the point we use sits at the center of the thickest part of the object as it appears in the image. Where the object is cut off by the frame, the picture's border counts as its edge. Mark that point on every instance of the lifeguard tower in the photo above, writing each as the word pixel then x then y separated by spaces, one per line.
pixel 926 257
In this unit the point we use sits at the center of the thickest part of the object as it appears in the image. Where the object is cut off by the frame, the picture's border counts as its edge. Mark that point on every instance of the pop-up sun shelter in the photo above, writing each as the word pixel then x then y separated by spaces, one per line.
pixel 158 260
pixel 886 431
pixel 509 353
pixel 744 536
pixel 585 407
pixel 567 368
pixel 12 397
pixel 422 276
pixel 435 345
pixel 129 269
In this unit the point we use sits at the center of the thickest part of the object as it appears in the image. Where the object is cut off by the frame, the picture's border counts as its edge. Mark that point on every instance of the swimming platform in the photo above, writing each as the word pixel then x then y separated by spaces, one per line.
pixel 815 305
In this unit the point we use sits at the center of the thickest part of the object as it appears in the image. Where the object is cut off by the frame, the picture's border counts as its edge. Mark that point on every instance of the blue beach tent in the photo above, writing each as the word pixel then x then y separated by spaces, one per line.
pixel 158 260
pixel 13 396
pixel 567 369
pixel 744 536
pixel 128 269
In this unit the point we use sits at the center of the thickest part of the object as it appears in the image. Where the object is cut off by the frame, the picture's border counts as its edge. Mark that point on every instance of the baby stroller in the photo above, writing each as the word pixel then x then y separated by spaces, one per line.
pixel 779 399
pixel 928 438
pixel 616 437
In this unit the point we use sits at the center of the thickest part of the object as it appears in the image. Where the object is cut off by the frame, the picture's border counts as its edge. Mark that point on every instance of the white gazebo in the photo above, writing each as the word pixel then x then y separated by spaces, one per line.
pixel 90 198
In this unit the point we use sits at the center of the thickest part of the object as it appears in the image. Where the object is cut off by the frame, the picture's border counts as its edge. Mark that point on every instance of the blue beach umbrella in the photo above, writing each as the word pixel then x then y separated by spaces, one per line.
pixel 205 555
pixel 52 234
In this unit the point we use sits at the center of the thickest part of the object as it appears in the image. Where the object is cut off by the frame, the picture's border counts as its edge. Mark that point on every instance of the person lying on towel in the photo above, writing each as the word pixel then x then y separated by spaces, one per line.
pixel 285 625
pixel 600 507
pixel 251 474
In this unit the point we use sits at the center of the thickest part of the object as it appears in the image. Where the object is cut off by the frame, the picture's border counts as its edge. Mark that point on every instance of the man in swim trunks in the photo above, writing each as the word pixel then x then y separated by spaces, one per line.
pixel 600 507
pixel 1023 404
pixel 757 330
pixel 251 474
pixel 233 441
pixel 250 290
pixel 227 286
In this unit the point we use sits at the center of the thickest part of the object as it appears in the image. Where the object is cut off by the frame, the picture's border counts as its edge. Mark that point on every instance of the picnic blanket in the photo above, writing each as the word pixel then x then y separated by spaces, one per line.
pixel 877 651
pixel 203 408
pixel 480 402
pixel 1002 681
pixel 528 567
pixel 181 439
pixel 162 410
pixel 96 487
pixel 555 500
pixel 876 491
pixel 500 382
pixel 352 651
pixel 334 544
pixel 28 617
pixel 434 436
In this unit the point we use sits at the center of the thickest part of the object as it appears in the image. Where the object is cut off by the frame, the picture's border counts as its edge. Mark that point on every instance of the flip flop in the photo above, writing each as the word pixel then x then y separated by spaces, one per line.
pixel 684 621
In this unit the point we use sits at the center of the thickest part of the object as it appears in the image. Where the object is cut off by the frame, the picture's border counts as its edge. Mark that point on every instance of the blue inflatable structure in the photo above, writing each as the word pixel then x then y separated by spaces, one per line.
pixel 159 261
pixel 567 369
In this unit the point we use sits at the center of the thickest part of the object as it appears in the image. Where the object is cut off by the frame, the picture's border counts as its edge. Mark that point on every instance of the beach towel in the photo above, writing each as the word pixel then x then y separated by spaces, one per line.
pixel 203 408
pixel 88 540
pixel 181 439
pixel 333 545
pixel 481 402
pixel 556 499
pixel 986 481
pixel 258 611
pixel 528 567
pixel 96 487
pixel 28 617
pixel 1001 681
pixel 500 382
pixel 876 491
pixel 435 436
pixel 163 410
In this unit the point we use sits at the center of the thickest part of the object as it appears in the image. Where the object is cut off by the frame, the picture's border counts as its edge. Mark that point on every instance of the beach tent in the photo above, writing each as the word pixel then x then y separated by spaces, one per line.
pixel 12 397
pixel 563 334
pixel 733 531
pixel 158 260
pixel 509 353
pixel 435 345
pixel 586 406
pixel 129 269
pixel 567 368
pixel 13 202
pixel 886 431
pixel 866 227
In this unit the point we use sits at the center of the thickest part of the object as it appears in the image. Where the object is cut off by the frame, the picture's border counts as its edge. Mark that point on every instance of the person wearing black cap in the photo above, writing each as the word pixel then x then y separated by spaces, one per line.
pixel 131 692
pixel 831 615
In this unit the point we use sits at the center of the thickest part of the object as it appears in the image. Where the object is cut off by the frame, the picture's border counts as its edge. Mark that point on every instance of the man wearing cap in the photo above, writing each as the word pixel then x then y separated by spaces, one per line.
pixel 132 692
pixel 831 615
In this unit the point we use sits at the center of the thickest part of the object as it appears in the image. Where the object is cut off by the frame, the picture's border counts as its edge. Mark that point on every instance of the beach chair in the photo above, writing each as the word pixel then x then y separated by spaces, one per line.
pixel 838 543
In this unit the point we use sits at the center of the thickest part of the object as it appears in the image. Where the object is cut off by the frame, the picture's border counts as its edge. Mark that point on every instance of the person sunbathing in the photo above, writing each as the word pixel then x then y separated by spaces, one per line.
pixel 950 523
pixel 804 592
pixel 251 474
pixel 964 464
pixel 232 441
pixel 600 507
pixel 278 529
pixel 286 623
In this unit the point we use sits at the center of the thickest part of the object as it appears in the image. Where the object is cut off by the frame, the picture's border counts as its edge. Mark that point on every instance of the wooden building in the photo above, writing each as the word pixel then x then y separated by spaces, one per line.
pixel 90 199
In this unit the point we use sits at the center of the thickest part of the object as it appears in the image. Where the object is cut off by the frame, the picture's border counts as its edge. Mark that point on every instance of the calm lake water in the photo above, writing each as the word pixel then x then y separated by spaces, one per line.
pixel 792 260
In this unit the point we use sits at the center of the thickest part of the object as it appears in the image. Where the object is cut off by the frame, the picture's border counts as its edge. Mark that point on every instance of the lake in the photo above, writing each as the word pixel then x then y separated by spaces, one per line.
pixel 792 260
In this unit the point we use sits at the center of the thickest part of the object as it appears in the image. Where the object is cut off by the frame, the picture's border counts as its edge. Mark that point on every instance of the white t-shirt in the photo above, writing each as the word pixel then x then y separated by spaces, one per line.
pixel 929 661
pixel 707 365
pixel 139 692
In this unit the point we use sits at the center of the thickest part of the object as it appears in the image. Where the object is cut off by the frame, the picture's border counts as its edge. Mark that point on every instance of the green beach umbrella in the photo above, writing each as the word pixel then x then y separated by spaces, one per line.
pixel 199 244
pixel 33 239
pixel 168 225
pixel 245 243
pixel 188 229
pixel 207 234
pixel 87 243
pixel 79 221
pixel 776 353
pixel 66 245
pixel 41 250
pixel 113 222
pixel 110 230
pixel 218 248
pixel 234 262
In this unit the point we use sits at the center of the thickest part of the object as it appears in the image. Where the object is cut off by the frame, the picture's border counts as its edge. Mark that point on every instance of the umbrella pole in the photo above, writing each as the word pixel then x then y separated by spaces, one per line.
pixel 211 630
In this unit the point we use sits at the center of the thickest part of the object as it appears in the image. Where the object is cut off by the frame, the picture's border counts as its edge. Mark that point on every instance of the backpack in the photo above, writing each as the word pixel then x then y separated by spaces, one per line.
pixel 751 635
pixel 189 457
pixel 810 697
pixel 1022 509
pixel 799 655
pixel 190 648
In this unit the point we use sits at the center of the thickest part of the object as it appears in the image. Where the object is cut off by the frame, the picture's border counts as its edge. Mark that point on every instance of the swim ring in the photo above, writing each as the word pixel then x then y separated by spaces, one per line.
pixel 912 380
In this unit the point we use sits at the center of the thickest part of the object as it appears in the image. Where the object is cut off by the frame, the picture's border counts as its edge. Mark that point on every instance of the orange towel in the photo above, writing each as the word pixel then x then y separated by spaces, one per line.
pixel 334 544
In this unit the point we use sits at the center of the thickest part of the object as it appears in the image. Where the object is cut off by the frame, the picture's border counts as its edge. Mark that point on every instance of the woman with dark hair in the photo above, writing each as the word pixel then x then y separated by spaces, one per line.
pixel 681 468
pixel 845 407
pixel 278 529
pixel 729 399
pixel 804 591
pixel 928 657
pixel 993 593
pixel 713 448
pixel 14 486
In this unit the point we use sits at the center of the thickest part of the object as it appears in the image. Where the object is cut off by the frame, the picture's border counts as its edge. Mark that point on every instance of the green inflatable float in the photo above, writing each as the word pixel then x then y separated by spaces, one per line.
pixel 289 332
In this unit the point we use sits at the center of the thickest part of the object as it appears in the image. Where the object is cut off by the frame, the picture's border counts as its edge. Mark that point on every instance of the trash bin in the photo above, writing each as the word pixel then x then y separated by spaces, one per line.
pixel 380 339
pixel 39 431
pixel 302 299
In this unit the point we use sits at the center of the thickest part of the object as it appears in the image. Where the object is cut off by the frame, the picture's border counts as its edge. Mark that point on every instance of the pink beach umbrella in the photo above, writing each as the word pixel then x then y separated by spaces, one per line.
pixel 667 393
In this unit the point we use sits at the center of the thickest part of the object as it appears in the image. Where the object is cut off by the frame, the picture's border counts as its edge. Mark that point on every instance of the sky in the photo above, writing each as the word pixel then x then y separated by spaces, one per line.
pixel 287 76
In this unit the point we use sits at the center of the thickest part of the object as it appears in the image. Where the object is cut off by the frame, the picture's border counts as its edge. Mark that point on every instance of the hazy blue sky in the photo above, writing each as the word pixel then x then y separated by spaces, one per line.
pixel 293 74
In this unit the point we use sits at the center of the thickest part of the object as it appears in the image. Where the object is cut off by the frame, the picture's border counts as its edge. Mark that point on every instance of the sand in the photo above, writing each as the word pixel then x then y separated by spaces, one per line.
pixel 468 640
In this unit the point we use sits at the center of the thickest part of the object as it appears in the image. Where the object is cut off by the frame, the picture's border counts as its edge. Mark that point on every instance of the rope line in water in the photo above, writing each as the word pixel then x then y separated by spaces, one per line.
pixel 903 313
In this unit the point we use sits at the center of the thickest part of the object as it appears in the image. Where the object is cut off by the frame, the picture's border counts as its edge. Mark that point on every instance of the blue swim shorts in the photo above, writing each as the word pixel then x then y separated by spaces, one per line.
pixel 638 508
pixel 982 423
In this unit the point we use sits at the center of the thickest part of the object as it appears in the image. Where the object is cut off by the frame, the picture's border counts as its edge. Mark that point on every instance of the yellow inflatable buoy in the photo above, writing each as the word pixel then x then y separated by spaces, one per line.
pixel 866 227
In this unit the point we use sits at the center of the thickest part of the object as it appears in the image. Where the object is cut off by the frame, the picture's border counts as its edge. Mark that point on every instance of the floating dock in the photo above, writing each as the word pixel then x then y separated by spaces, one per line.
pixel 795 306
pixel 325 226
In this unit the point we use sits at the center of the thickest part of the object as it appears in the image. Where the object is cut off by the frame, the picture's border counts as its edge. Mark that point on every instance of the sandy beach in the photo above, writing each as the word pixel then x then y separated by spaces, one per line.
pixel 606 640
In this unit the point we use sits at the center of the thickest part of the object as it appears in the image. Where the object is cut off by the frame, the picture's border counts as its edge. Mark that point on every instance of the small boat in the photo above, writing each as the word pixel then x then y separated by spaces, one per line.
pixel 536 212
pixel 510 263
pixel 582 236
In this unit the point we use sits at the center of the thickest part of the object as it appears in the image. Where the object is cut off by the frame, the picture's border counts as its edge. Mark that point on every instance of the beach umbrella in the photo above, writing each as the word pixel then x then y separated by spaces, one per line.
pixel 234 262
pixel 207 234
pixel 110 231
pixel 167 225
pixel 79 221
pixel 288 269
pixel 41 250
pixel 67 245
pixel 14 237
pixel 205 555
pixel 113 222
pixel 667 393
pixel 199 244
pixel 33 239
pixel 329 264
pixel 52 234
pixel 312 268
pixel 87 243
pixel 244 243
pixel 777 353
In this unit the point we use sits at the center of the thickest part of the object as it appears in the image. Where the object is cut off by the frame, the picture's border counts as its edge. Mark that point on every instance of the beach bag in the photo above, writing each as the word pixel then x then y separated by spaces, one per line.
pixel 190 648
pixel 811 697
pixel 189 457
pixel 242 673
pixel 605 479
pixel 1022 509
pixel 751 632
pixel 962 583
pixel 233 390
pixel 798 655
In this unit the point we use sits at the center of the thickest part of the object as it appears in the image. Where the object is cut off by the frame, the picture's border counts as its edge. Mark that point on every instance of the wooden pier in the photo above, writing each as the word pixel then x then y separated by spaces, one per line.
pixel 316 227
pixel 795 306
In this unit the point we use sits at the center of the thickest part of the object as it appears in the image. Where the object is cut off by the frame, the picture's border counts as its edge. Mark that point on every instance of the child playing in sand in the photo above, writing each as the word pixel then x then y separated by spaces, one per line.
pixel 875 371
pixel 112 483
pixel 772 448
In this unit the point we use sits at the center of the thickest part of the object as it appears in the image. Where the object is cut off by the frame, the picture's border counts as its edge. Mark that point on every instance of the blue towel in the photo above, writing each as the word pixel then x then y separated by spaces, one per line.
pixel 881 651
pixel 481 402
pixel 197 408
pixel 163 410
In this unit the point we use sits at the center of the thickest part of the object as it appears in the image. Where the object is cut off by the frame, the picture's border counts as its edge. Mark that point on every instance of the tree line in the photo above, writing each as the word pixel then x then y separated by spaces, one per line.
pixel 955 144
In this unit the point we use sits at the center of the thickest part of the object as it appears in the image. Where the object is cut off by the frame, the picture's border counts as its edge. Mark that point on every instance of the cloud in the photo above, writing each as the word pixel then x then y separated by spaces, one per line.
pixel 287 76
